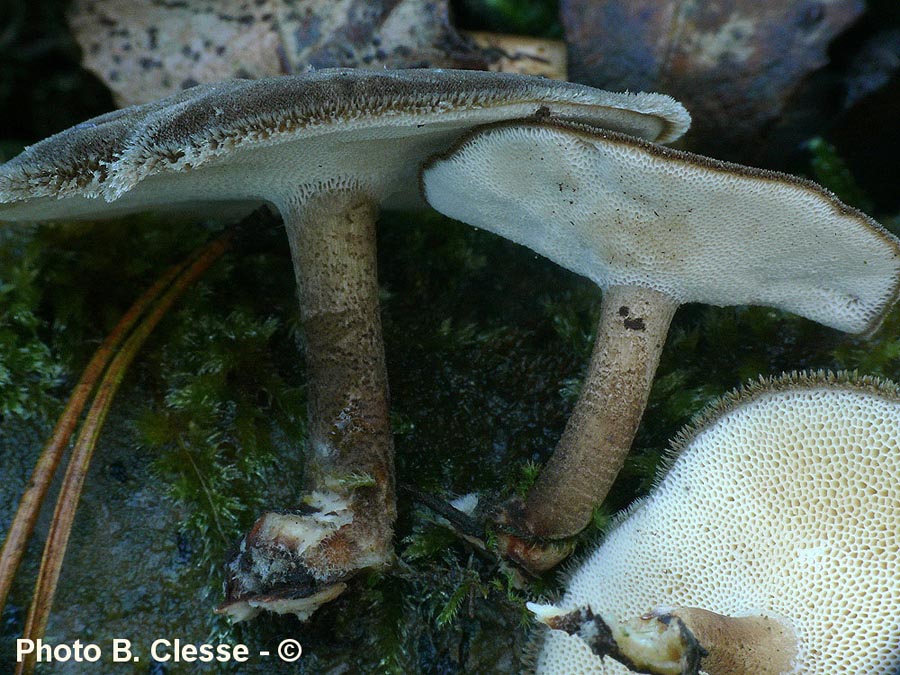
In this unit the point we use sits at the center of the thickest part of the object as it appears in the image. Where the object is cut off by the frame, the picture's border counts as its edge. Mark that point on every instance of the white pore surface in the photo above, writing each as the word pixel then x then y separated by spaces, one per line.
pixel 621 212
pixel 279 139
pixel 790 505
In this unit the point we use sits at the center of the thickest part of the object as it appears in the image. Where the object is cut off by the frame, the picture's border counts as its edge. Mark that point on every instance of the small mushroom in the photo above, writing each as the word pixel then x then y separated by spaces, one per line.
pixel 769 547
pixel 654 228
pixel 326 149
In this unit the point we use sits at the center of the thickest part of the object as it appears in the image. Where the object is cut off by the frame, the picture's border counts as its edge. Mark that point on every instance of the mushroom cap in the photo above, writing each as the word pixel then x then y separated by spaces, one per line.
pixel 621 211
pixel 271 139
pixel 782 500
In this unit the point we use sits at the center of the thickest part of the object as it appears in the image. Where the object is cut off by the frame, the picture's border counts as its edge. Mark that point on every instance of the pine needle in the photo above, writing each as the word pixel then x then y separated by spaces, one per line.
pixel 64 515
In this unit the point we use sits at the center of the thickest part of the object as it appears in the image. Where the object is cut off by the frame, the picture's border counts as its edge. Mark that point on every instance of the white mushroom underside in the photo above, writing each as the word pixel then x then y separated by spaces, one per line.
pixel 365 159
pixel 622 213
pixel 789 506
pixel 239 140
pixel 376 157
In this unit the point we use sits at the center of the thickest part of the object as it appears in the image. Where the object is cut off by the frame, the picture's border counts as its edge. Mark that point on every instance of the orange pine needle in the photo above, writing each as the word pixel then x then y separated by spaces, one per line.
pixel 179 280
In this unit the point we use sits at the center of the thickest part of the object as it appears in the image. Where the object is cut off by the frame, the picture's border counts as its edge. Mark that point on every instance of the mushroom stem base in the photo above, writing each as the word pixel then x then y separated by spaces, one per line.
pixel 685 640
pixel 345 521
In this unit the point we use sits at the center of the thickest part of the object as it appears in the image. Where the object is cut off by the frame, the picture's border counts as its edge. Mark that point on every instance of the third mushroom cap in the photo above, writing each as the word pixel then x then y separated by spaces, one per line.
pixel 772 539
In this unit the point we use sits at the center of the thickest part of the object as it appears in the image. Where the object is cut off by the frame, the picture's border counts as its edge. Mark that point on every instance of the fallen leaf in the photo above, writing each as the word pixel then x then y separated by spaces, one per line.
pixel 146 50
pixel 735 64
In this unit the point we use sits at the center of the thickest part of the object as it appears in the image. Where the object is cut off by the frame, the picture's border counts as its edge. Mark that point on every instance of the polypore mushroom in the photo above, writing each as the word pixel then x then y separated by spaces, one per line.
pixel 772 539
pixel 326 149
pixel 654 228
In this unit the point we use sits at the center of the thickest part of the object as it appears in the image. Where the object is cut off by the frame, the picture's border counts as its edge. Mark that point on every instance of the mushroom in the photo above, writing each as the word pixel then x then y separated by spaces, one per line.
pixel 326 149
pixel 653 228
pixel 771 543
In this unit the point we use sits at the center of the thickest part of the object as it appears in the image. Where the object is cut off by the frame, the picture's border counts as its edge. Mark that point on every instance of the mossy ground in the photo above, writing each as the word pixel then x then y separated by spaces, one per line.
pixel 486 343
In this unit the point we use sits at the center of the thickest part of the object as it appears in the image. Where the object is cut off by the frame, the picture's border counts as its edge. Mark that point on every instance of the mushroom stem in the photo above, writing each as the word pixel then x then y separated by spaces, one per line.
pixel 332 238
pixel 685 640
pixel 630 337
pixel 744 645
pixel 291 562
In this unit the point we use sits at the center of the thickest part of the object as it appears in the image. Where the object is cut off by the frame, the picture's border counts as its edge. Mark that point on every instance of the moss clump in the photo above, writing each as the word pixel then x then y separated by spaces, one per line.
pixel 829 169
pixel 226 412
pixel 212 431
pixel 30 369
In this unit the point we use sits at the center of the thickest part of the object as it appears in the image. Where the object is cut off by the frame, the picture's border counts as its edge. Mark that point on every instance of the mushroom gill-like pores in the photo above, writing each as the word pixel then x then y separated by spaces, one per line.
pixel 654 228
pixel 773 538
pixel 327 150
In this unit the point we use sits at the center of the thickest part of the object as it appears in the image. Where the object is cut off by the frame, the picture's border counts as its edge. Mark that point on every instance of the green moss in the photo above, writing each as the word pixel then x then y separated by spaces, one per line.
pixel 831 171
pixel 523 17
pixel 224 404
pixel 30 369
pixel 529 473
pixel 454 579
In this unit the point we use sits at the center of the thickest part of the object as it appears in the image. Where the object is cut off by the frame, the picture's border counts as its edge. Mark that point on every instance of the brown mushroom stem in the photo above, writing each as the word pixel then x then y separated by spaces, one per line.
pixel 685 640
pixel 294 561
pixel 744 645
pixel 630 337
pixel 332 238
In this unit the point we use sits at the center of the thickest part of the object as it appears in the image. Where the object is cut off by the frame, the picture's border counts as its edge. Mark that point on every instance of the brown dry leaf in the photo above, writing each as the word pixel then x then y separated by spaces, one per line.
pixel 734 64
pixel 149 49
pixel 525 55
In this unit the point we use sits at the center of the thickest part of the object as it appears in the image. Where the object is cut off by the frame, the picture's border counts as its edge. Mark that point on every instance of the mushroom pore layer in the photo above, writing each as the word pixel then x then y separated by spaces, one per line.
pixel 782 501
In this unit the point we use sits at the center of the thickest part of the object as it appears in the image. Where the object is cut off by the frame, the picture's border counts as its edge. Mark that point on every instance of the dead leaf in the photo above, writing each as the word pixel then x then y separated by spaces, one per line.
pixel 526 55
pixel 876 64
pixel 149 49
pixel 735 64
